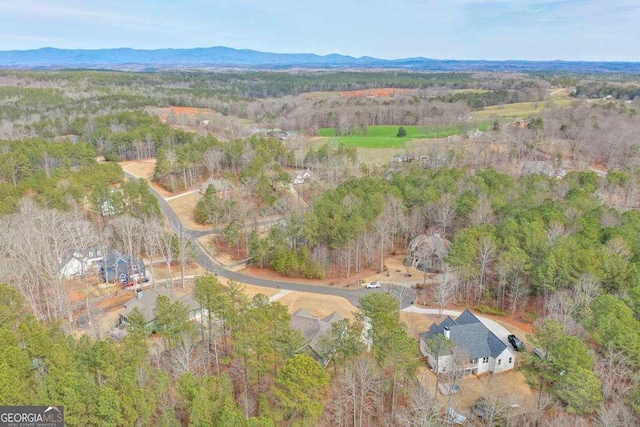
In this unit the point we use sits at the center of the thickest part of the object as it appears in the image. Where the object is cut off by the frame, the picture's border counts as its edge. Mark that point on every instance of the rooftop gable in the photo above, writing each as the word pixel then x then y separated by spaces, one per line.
pixel 468 333
pixel 313 329
pixel 147 302
pixel 466 318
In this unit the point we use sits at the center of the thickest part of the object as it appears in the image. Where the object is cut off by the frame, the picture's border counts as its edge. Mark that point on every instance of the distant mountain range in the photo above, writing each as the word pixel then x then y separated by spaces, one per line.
pixel 225 57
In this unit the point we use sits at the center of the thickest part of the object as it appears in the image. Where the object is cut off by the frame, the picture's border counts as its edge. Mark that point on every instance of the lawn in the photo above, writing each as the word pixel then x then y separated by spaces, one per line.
pixel 518 110
pixel 385 136
pixel 522 110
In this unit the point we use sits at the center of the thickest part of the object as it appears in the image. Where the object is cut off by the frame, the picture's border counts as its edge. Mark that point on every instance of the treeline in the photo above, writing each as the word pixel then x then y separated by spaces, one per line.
pixel 72 99
pixel 56 174
pixel 131 135
pixel 511 238
pixel 242 364
pixel 479 100
pixel 605 89
pixel 39 242
pixel 255 160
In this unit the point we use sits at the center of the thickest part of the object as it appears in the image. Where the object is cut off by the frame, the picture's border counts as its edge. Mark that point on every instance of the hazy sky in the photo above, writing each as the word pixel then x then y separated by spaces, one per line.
pixel 448 29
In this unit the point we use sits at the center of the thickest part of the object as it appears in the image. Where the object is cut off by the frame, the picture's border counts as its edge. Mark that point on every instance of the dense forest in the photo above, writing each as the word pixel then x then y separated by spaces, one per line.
pixel 540 209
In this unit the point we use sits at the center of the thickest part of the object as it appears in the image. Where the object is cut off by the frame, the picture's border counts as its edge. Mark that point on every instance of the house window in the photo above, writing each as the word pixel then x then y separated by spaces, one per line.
pixel 99 253
pixel 90 254
pixel 499 361
pixel 510 360
pixel 135 267
pixel 485 360
pixel 474 361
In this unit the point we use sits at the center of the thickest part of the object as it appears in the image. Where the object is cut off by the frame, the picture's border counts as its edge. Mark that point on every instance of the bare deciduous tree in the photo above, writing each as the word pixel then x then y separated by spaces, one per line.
pixel 422 410
pixel 443 212
pixel 127 231
pixel 518 295
pixel 359 392
pixel 152 232
pixel 185 251
pixel 483 212
pixel 487 252
pixel 212 159
pixel 445 289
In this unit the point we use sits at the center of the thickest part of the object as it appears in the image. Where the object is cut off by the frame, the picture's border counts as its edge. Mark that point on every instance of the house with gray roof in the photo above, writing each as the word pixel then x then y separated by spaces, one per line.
pixel 116 266
pixel 313 329
pixel 222 186
pixel 145 301
pixel 483 351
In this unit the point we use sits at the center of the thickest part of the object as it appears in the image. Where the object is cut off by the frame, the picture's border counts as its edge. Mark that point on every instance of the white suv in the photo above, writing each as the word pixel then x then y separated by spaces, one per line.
pixel 373 285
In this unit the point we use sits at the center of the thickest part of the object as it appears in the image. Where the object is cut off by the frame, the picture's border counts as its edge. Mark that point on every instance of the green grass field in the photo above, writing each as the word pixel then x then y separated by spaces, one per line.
pixel 522 110
pixel 385 136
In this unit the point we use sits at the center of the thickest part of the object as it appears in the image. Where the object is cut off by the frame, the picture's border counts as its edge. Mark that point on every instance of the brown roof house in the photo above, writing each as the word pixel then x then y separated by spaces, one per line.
pixel 313 330
pixel 428 253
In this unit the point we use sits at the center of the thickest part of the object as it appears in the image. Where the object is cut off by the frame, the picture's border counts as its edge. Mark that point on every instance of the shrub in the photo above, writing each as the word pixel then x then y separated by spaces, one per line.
pixel 485 309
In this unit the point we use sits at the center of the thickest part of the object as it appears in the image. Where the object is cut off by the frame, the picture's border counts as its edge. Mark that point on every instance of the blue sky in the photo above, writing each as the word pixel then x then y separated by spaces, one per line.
pixel 607 30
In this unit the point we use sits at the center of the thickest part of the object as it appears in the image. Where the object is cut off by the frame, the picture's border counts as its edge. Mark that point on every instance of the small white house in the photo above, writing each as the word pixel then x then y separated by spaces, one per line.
pixel 300 177
pixel 483 350
pixel 81 264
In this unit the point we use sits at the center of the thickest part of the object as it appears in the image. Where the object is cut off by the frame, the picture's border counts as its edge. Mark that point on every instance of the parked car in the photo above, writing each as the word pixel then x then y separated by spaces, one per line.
pixel 129 284
pixel 373 285
pixel 516 343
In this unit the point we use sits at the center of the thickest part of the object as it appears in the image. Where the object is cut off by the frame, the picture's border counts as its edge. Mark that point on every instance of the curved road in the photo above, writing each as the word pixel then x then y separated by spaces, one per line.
pixel 202 258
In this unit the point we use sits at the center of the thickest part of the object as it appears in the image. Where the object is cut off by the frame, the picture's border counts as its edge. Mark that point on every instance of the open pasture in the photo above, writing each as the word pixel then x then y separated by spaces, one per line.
pixel 386 136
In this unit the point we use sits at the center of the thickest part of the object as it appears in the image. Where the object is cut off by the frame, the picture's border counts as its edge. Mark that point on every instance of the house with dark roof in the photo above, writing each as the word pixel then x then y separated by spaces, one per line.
pixel 145 301
pixel 313 329
pixel 483 351
pixel 116 266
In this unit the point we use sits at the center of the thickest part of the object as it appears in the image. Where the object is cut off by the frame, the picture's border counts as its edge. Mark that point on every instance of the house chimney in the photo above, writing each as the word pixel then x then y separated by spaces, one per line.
pixel 447 332
pixel 138 294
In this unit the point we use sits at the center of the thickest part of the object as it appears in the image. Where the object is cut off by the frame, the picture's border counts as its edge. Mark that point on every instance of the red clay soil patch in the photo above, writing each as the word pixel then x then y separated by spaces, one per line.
pixel 379 93
pixel 182 111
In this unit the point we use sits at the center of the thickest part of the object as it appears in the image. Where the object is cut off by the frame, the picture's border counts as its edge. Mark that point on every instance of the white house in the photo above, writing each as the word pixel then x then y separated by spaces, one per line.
pixel 482 350
pixel 81 264
pixel 300 177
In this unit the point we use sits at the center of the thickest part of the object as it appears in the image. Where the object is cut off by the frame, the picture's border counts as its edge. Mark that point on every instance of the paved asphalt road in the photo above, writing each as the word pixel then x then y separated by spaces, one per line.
pixel 206 262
